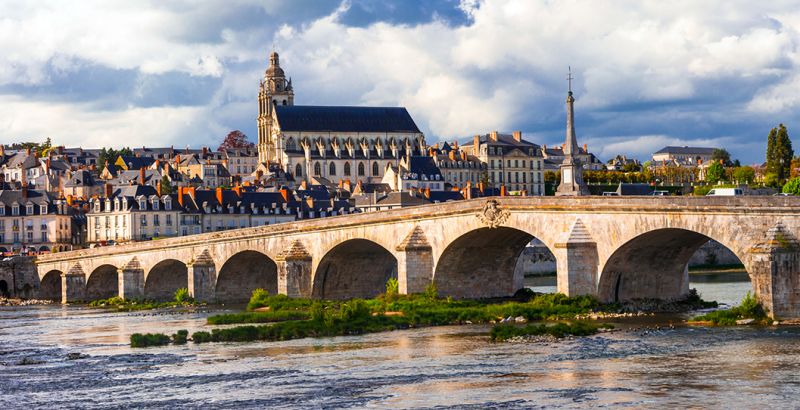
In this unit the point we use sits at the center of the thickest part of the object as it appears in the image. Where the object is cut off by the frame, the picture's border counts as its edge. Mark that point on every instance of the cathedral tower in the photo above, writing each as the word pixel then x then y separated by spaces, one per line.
pixel 571 169
pixel 273 90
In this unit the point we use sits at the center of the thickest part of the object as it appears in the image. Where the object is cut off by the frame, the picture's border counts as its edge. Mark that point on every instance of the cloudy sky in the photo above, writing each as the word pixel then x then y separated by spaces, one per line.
pixel 648 74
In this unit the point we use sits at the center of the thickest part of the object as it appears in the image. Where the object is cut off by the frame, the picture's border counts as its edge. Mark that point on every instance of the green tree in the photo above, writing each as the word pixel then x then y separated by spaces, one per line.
pixel 166 186
pixel 744 175
pixel 792 186
pixel 715 173
pixel 779 153
pixel 720 154
pixel 771 180
pixel 771 162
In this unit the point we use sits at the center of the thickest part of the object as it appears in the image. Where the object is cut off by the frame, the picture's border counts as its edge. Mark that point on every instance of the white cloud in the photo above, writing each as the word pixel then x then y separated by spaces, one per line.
pixel 722 68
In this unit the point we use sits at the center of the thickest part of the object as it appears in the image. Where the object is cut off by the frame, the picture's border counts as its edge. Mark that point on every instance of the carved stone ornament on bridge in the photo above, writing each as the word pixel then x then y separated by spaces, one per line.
pixel 491 215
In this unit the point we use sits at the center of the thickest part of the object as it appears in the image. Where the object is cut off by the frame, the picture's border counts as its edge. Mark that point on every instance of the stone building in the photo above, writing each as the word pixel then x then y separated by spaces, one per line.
pixel 331 142
pixel 34 220
pixel 458 166
pixel 417 172
pixel 129 213
pixel 683 156
pixel 510 161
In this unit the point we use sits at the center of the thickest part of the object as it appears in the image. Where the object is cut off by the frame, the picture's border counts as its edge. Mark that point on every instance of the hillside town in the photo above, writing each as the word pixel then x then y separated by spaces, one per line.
pixel 308 162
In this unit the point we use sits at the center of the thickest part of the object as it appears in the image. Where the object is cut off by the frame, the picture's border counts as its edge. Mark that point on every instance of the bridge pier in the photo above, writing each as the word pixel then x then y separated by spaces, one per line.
pixel 294 271
pixel 131 280
pixel 577 263
pixel 202 277
pixel 73 285
pixel 414 263
pixel 775 271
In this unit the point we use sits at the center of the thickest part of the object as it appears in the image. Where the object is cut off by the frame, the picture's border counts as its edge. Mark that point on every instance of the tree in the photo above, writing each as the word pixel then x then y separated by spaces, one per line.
pixel 235 140
pixel 784 152
pixel 166 186
pixel 771 180
pixel 779 153
pixel 715 173
pixel 744 175
pixel 720 154
pixel 111 155
pixel 792 186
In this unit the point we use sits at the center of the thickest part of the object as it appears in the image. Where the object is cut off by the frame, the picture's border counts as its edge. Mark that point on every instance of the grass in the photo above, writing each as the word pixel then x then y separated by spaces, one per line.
pixel 748 309
pixel 503 332
pixel 149 339
pixel 180 299
pixel 258 317
pixel 262 299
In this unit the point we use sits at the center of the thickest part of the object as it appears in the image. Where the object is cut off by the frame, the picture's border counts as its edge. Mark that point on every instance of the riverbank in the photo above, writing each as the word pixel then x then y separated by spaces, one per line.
pixel 24 302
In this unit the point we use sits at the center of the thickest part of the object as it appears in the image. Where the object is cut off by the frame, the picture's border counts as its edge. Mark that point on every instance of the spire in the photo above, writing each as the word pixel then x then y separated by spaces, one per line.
pixel 571 144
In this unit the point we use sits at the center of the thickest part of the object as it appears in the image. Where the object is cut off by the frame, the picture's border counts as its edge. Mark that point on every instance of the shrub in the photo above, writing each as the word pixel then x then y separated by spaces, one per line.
pixel 792 186
pixel 259 298
pixel 504 332
pixel 201 337
pixel 180 337
pixel 748 309
pixel 182 296
pixel 392 289
pixel 258 317
pixel 149 339
pixel 431 293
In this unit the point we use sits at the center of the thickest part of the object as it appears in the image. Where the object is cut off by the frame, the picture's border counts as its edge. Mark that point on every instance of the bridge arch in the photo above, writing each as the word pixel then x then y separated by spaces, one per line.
pixel 481 263
pixel 355 268
pixel 242 273
pixel 50 287
pixel 165 278
pixel 654 264
pixel 102 283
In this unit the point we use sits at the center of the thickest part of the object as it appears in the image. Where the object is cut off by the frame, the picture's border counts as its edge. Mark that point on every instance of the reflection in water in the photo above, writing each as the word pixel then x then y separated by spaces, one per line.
pixel 445 366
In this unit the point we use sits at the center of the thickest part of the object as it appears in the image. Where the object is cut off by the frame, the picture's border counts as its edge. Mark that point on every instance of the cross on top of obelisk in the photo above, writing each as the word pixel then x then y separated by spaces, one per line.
pixel 570 77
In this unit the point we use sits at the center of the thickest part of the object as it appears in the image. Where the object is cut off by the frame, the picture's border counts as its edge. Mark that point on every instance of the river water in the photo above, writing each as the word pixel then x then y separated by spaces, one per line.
pixel 439 367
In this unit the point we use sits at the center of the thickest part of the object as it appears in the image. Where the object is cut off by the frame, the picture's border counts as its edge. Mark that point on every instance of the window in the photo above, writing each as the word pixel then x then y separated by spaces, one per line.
pixel 144 220
pixel 156 221
pixel 509 163
pixel 491 164
pixel 155 204
pixel 29 236
pixel 361 169
pixel 375 169
pixel 43 209
pixel 169 220
pixel 347 169
pixel 168 204
pixel 516 163
pixel 15 210
pixel 29 209
pixel 298 171
pixel 317 169
pixel 44 236
pixel 2 210
pixel 142 204
pixel 43 225
pixel 332 169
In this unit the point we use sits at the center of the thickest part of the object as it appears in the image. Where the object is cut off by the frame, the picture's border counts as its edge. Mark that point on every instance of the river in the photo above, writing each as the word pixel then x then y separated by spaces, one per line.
pixel 438 367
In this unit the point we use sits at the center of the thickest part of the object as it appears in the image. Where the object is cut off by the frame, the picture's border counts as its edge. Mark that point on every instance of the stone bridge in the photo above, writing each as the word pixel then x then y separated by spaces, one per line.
pixel 614 248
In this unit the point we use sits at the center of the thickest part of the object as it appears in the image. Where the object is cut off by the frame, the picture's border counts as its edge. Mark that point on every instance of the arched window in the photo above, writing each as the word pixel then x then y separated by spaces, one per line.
pixel 375 169
pixel 290 145
pixel 317 169
pixel 298 171
pixel 284 102
pixel 347 169
pixel 361 169
pixel 332 169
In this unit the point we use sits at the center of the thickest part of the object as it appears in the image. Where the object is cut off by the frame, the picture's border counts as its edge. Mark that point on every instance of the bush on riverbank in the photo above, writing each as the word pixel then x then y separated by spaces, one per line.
pixel 748 309
pixel 258 317
pixel 262 299
pixel 504 332
pixel 149 339
pixel 124 305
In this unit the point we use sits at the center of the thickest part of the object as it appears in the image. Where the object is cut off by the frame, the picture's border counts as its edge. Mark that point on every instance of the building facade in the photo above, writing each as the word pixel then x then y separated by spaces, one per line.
pixel 510 161
pixel 34 221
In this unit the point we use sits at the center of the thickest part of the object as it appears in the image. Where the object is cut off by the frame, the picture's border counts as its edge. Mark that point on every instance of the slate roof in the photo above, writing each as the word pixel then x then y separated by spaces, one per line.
pixel 634 189
pixel 685 150
pixel 80 178
pixel 36 197
pixel 344 119
pixel 135 163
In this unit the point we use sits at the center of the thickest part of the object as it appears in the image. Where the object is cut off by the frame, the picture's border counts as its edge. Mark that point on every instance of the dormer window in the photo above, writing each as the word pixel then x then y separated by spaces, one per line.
pixel 2 209
pixel 142 204
pixel 116 205
pixel 43 209
pixel 155 204
pixel 168 204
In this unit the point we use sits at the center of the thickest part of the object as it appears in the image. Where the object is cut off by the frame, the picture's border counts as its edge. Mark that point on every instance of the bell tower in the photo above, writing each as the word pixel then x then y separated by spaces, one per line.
pixel 274 90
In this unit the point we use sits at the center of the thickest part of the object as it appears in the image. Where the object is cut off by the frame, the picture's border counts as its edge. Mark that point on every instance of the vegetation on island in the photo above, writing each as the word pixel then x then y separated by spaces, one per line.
pixel 181 298
pixel 505 332
pixel 749 308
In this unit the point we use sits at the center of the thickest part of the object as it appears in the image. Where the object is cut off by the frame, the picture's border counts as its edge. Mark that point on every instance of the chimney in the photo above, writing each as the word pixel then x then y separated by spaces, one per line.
pixel 158 189
pixel 480 187
pixel 455 144
pixel 190 190
pixel 205 151
pixel 517 136
pixel 27 151
pixel 476 145
pixel 430 152
pixel 2 150
pixel 24 190
pixel 585 149
pixel 503 190
pixel 468 190
pixel 285 194
pixel 303 185
pixel 463 155
pixel 348 186
pixel 259 174
pixel 427 193
pixel 452 155
pixel 493 136
pixel 141 176
pixel 109 190
pixel 238 190
pixel 180 196
pixel 219 195
pixel 69 200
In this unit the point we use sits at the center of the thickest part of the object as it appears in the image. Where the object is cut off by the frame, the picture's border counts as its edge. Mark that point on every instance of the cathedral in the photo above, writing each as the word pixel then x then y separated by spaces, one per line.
pixel 330 142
